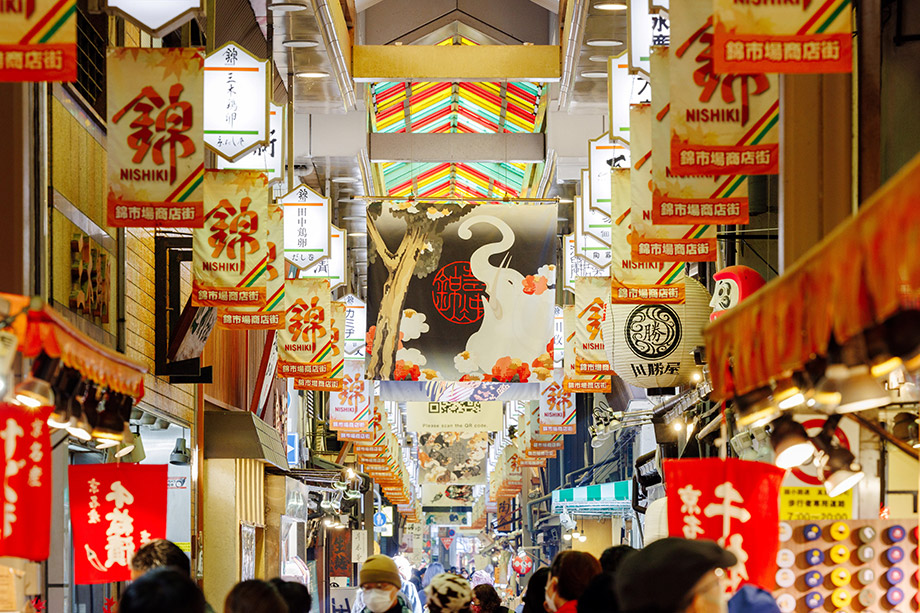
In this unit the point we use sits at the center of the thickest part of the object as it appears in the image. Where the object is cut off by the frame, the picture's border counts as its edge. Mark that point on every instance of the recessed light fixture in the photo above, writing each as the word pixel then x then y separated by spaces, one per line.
pixel 344 180
pixel 286 7
pixel 599 58
pixel 566 201
pixel 356 234
pixel 300 43
pixel 594 74
pixel 312 74
pixel 611 6
pixel 604 42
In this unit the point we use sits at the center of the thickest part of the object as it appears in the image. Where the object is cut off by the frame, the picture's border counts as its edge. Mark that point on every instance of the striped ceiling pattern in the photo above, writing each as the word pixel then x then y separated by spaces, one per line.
pixel 456 108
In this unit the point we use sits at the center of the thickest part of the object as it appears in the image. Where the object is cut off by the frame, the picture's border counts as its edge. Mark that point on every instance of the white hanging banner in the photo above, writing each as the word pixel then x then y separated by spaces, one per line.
pixel 604 154
pixel 333 267
pixel 355 328
pixel 623 89
pixel 235 101
pixel 645 30
pixel 306 226
pixel 156 17
pixel 575 265
pixel 269 158
pixel 559 335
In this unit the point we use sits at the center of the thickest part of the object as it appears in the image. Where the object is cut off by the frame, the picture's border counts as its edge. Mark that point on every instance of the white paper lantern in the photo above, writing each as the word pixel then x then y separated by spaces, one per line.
pixel 653 343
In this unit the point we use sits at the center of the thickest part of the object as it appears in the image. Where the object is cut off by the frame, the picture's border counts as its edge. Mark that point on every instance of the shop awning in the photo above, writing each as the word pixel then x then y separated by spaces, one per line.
pixel 862 274
pixel 242 435
pixel 602 499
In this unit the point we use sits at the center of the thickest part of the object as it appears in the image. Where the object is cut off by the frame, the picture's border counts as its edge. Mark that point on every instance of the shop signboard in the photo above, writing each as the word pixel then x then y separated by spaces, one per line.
pixel 645 30
pixel 355 328
pixel 306 226
pixel 575 265
pixel 38 40
pixel 267 158
pixel 793 37
pixel 570 379
pixel 812 503
pixel 623 89
pixel 359 546
pixel 332 268
pixel 26 494
pixel 115 509
pixel 720 124
pixel 235 101
pixel 557 408
pixel 731 502
pixel 350 407
pixel 154 133
pixel 332 380
pixel 591 303
pixel 589 224
pixel 341 599
pixel 156 17
pixel 304 344
pixel 230 251
pixel 558 336
pixel 461 416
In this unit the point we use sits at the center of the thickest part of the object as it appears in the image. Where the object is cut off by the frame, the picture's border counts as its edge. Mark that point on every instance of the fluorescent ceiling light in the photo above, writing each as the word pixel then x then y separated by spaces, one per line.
pixel 312 74
pixel 604 42
pixel 344 180
pixel 594 74
pixel 599 58
pixel 611 6
pixel 286 7
pixel 300 43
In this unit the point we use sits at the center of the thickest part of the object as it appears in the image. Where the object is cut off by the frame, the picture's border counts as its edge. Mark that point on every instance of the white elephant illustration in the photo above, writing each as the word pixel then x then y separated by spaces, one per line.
pixel 514 323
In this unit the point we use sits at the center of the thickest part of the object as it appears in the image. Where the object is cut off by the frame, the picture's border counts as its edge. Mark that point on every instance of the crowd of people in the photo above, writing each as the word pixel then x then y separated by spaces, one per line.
pixel 671 575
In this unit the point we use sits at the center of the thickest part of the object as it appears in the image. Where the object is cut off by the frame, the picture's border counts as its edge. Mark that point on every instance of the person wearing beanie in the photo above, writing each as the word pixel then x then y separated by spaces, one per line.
pixel 380 587
pixel 449 593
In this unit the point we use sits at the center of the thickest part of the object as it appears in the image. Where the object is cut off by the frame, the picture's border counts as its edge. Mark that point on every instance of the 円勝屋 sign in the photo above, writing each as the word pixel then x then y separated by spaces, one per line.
pixel 155 156
pixel 236 118
pixel 38 40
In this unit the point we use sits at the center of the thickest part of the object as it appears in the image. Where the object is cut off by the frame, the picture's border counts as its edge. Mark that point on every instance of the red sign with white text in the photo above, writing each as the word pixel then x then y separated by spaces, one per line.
pixel 115 509
pixel 733 502
pixel 26 490
pixel 38 40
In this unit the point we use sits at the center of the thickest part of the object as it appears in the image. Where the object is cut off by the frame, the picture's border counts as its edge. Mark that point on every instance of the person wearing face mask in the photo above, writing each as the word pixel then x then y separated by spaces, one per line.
pixel 380 582
pixel 688 577
pixel 569 576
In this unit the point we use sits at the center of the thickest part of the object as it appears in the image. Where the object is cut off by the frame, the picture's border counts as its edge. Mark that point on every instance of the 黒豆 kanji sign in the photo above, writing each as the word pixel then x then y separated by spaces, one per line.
pixel 26 494
pixel 156 17
pixel 115 509
pixel 721 124
pixel 38 40
pixel 795 36
pixel 236 99
pixel 230 250
pixel 306 341
pixel 155 156
pixel 733 502
pixel 306 226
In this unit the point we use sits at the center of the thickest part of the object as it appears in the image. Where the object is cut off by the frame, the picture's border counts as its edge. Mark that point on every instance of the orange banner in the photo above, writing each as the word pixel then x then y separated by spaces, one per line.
pixel 38 40
pixel 572 380
pixel 647 294
pixel 306 342
pixel 333 378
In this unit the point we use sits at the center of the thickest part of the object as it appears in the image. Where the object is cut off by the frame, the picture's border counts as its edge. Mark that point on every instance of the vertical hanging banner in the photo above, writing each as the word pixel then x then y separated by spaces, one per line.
pixel 572 380
pixel 355 326
pixel 38 40
pixel 306 340
pixel 271 315
pixel 733 502
pixel 115 509
pixel 803 36
pixel 333 268
pixel 26 494
pixel 156 17
pixel 651 243
pixel 686 200
pixel 235 101
pixel 604 154
pixel 230 255
pixel 350 407
pixel 575 265
pixel 335 354
pixel 536 441
pixel 720 124
pixel 645 30
pixel 267 158
pixel 623 89
pixel 587 245
pixel 558 336
pixel 591 296
pixel 557 408
pixel 306 226
pixel 154 132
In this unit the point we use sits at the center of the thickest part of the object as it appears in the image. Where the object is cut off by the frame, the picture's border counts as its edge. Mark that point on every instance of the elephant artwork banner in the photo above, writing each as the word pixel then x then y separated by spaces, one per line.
pixel 458 292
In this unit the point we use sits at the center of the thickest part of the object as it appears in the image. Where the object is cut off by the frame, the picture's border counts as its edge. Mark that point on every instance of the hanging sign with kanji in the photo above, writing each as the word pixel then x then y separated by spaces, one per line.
pixel 692 201
pixel 332 268
pixel 231 252
pixel 115 509
pixel 350 407
pixel 591 296
pixel 571 379
pixel 604 154
pixel 645 30
pixel 623 89
pixel 794 36
pixel 306 341
pixel 271 315
pixel 156 17
pixel 38 40
pixel 306 226
pixel 268 158
pixel 533 440
pixel 575 265
pixel 26 494
pixel 155 156
pixel 557 408
pixel 355 328
pixel 733 502
pixel 236 101
pixel 332 379
pixel 721 124
pixel 587 246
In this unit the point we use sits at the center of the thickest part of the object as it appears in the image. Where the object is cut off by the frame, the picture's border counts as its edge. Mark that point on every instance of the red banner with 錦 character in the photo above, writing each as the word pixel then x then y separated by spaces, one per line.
pixel 333 379
pixel 231 251
pixel 38 40
pixel 306 342
pixel 26 493
pixel 115 509
pixel 733 502
pixel 154 138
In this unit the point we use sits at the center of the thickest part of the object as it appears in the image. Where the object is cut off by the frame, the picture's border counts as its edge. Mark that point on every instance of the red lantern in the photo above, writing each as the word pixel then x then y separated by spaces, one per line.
pixel 522 563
